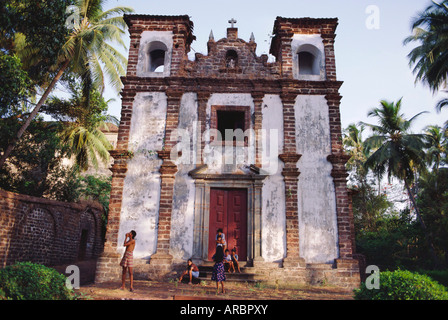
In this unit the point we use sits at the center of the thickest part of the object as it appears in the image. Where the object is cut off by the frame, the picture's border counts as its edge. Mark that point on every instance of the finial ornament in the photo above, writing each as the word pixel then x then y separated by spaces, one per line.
pixel 252 37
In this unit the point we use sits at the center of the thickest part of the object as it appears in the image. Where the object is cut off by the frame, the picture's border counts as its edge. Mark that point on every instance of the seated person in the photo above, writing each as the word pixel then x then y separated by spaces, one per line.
pixel 228 260
pixel 191 270
pixel 234 258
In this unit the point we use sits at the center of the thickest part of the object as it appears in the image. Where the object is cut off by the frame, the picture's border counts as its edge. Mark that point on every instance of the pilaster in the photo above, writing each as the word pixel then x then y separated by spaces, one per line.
pixel 202 98
pixel 291 176
pixel 258 124
pixel 339 173
pixel 108 263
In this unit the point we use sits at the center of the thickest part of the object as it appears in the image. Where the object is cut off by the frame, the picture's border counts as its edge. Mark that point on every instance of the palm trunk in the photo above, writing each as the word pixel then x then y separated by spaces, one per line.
pixel 33 113
pixel 423 225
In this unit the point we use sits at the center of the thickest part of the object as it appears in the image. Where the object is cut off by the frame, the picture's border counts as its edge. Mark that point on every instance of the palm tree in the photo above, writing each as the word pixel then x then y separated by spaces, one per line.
pixel 360 151
pixel 85 144
pixel 84 119
pixel 430 57
pixel 399 153
pixel 436 146
pixel 356 148
pixel 87 53
pixel 367 206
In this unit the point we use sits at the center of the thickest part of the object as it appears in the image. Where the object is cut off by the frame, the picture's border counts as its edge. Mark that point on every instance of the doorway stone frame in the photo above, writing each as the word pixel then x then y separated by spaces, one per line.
pixel 253 183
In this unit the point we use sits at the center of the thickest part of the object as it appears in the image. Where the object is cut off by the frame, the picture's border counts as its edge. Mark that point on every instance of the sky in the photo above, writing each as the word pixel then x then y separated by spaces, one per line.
pixel 371 59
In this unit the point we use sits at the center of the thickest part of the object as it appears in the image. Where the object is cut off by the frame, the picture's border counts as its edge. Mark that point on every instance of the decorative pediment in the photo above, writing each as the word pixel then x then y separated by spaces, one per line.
pixel 233 57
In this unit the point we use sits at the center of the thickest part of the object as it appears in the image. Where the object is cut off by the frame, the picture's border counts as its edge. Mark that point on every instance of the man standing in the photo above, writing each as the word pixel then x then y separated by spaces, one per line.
pixel 128 259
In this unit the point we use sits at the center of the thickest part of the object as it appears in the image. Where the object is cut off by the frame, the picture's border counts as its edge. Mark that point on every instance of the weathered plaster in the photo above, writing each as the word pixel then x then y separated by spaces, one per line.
pixel 312 43
pixel 147 38
pixel 232 159
pixel 182 219
pixel 273 192
pixel 141 190
pixel 316 194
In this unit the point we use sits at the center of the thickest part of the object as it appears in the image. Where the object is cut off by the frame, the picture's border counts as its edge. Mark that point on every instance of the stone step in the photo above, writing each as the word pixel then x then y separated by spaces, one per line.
pixel 247 274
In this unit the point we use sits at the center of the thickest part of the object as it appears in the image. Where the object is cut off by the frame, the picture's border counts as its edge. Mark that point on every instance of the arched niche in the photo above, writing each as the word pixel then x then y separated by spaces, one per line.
pixel 157 54
pixel 309 60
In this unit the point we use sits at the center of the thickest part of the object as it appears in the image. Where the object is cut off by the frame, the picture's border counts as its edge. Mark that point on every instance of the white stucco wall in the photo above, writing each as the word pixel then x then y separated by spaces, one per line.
pixel 141 190
pixel 147 37
pixel 218 158
pixel 316 197
pixel 305 42
pixel 316 194
pixel 182 217
pixel 273 192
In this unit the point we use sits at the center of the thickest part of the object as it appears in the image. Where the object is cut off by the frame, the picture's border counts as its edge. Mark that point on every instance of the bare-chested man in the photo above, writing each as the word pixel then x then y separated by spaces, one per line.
pixel 128 259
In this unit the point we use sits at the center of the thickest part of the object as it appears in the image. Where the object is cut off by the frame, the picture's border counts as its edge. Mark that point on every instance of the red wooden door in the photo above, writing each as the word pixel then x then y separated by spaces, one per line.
pixel 228 211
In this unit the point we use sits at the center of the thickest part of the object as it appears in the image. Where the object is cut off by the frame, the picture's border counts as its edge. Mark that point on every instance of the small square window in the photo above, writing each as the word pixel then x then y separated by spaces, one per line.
pixel 230 118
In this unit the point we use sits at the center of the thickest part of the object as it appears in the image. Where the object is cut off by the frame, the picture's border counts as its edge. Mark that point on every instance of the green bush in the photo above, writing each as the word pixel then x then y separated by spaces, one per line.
pixel 441 276
pixel 30 281
pixel 403 285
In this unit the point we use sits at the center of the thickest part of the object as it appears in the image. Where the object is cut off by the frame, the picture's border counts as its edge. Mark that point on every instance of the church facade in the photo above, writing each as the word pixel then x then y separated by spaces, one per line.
pixel 230 140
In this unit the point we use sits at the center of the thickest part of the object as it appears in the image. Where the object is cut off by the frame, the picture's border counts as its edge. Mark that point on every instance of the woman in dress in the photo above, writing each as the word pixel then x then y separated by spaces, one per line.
pixel 218 274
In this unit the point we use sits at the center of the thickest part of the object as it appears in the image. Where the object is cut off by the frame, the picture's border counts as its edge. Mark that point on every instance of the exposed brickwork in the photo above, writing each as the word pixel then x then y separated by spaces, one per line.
pixel 125 120
pixel 291 174
pixel 258 124
pixel 118 169
pixel 247 65
pixel 167 170
pixel 179 25
pixel 338 159
pixel 202 98
pixel 344 274
pixel 285 28
pixel 46 231
pixel 214 116
pixel 108 263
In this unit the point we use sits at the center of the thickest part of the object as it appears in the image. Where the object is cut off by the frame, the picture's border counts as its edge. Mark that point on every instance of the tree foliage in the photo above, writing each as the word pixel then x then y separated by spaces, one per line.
pixel 82 134
pixel 403 285
pixel 16 85
pixel 87 53
pixel 36 166
pixel 430 57
pixel 411 239
pixel 35 31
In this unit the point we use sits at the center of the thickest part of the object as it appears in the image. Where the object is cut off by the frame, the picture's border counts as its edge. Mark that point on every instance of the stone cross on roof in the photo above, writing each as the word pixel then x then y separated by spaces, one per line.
pixel 232 22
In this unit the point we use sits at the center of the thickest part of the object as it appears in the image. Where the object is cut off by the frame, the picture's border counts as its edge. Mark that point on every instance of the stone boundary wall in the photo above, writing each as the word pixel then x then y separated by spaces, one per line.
pixel 46 231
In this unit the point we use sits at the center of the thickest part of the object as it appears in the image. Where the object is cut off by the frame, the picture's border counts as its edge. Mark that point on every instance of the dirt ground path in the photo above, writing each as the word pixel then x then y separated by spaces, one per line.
pixel 154 290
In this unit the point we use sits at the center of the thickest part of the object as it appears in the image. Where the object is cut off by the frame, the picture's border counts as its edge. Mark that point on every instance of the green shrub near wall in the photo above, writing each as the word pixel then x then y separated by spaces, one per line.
pixel 403 285
pixel 30 281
